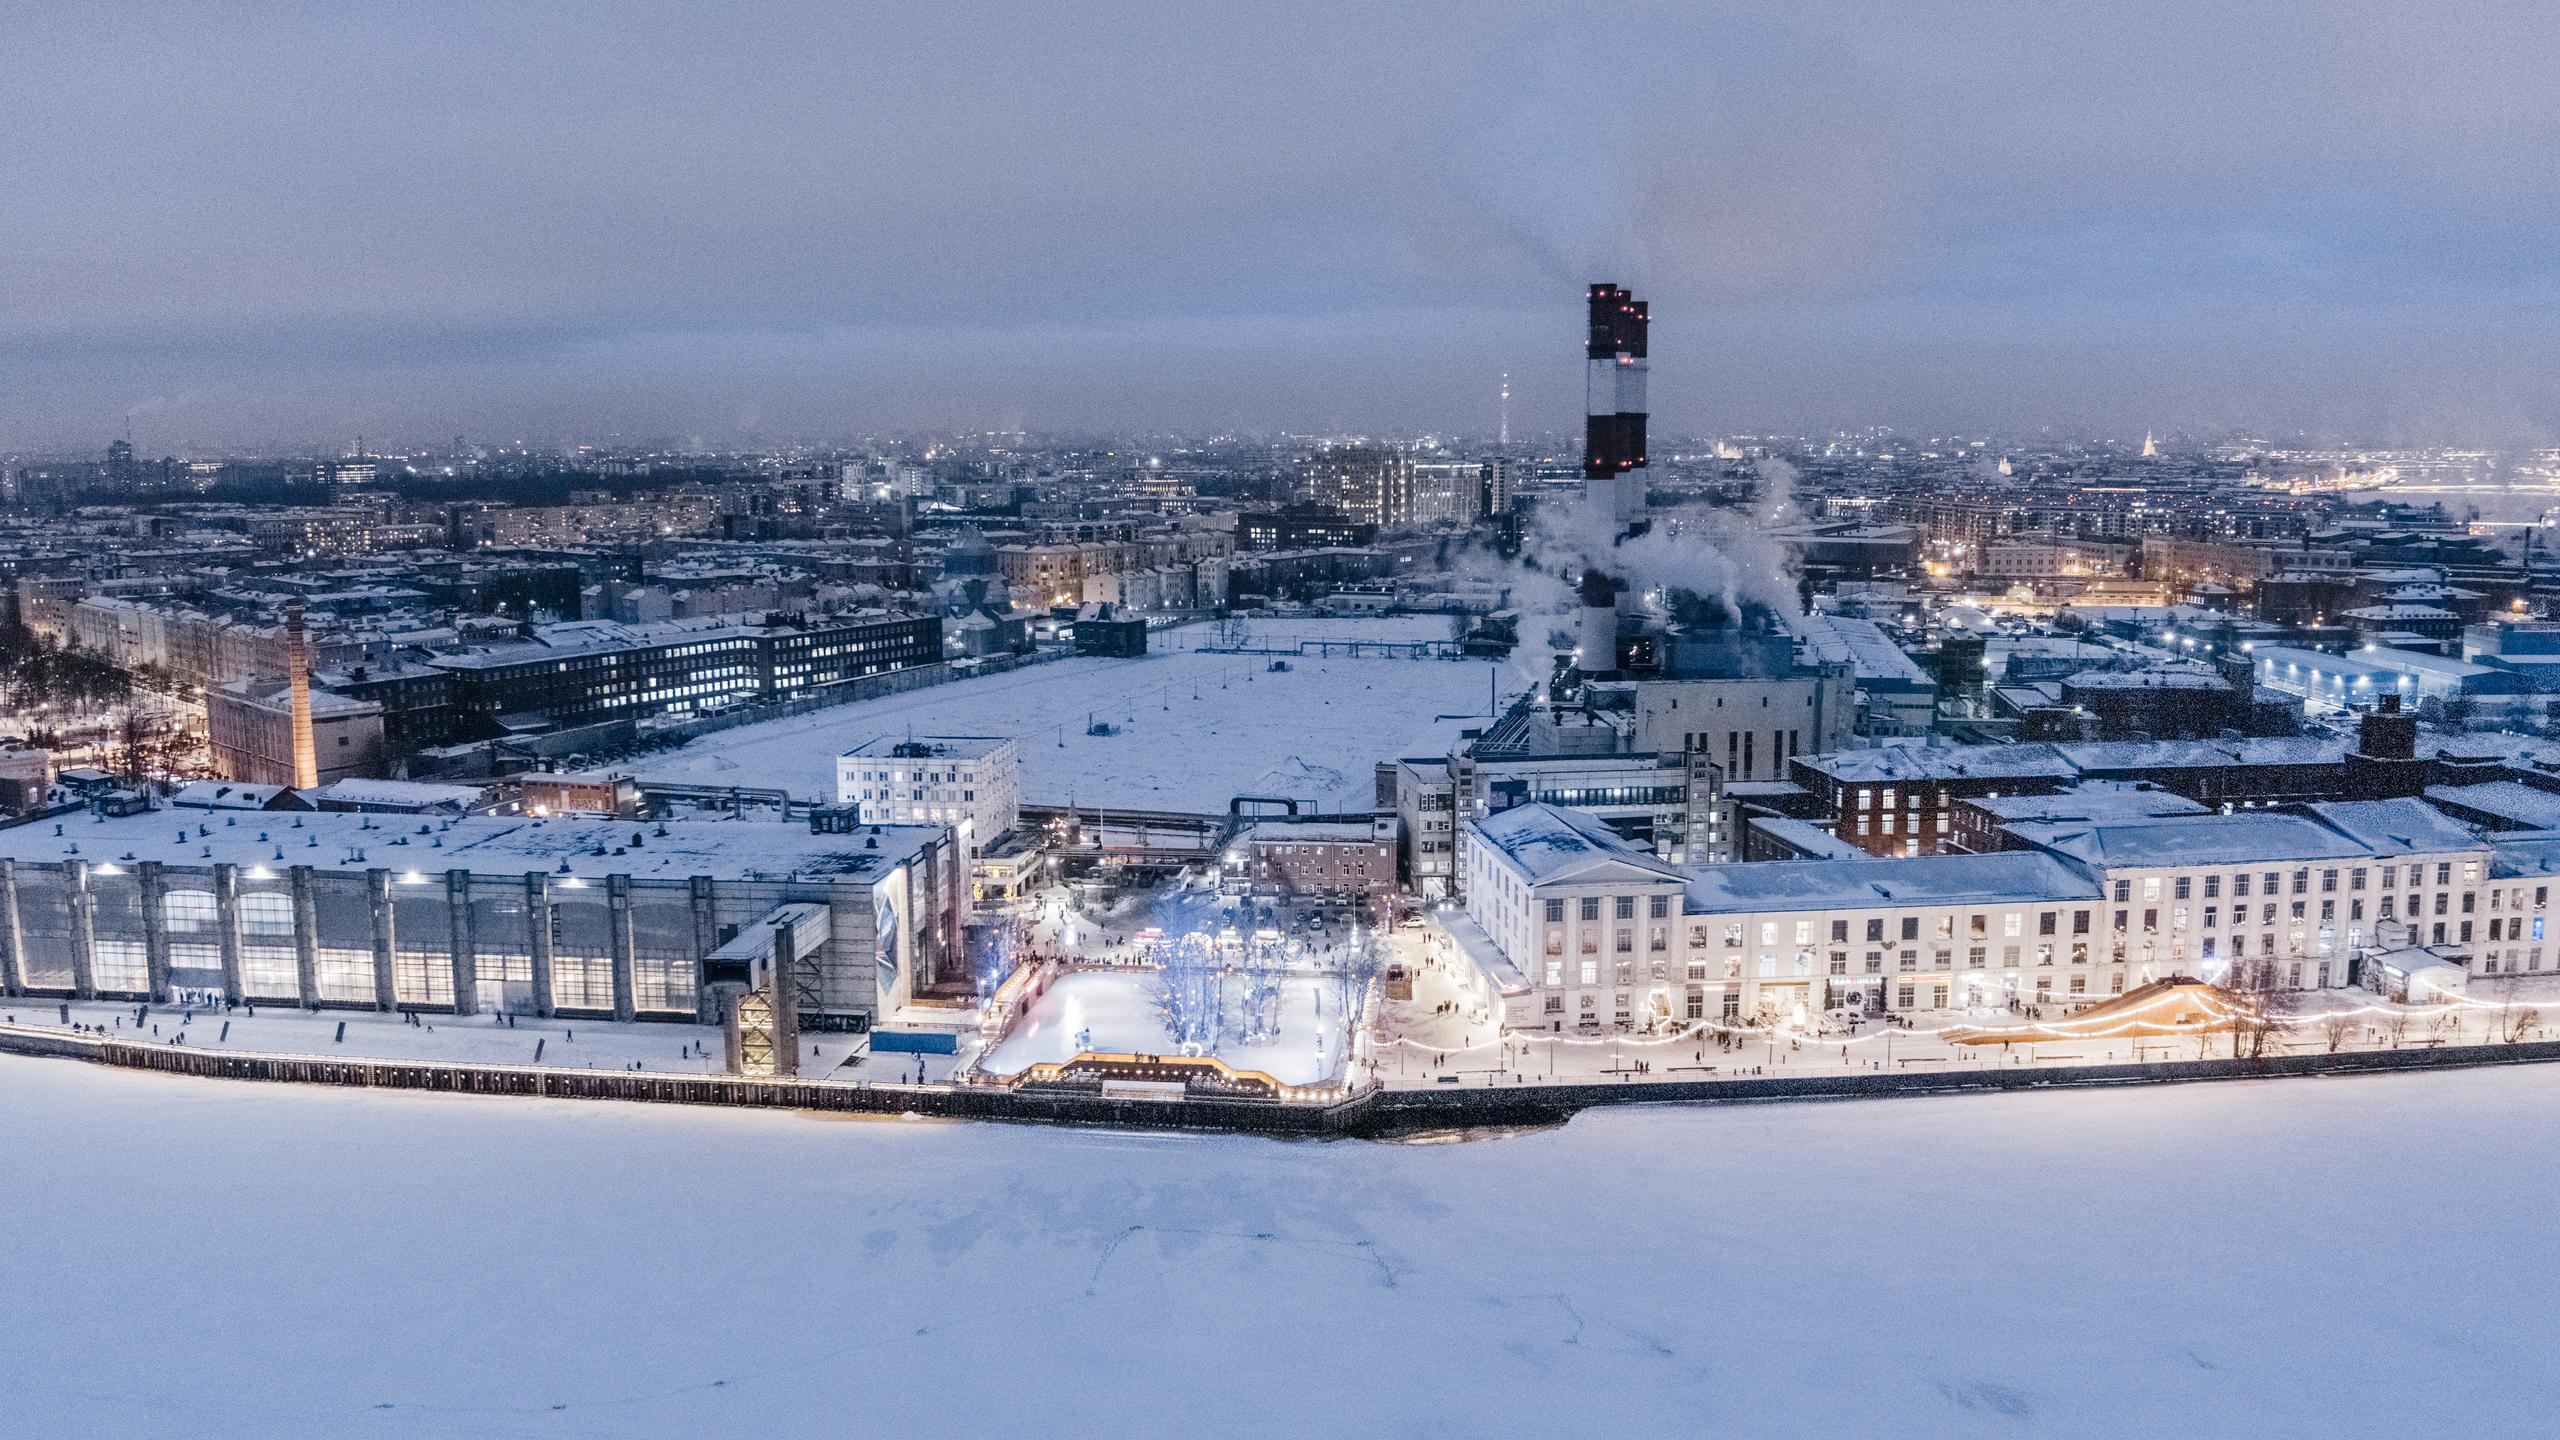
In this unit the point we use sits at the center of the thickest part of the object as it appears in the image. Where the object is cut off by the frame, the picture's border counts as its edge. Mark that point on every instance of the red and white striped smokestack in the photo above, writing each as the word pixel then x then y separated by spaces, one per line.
pixel 1614 409
pixel 1612 461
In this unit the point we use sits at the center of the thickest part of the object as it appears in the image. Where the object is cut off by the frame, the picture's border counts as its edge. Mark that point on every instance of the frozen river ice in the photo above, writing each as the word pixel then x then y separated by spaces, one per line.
pixel 2293 1258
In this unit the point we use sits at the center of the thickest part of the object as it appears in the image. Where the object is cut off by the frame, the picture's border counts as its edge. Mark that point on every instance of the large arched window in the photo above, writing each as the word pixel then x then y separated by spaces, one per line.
pixel 266 913
pixel 188 912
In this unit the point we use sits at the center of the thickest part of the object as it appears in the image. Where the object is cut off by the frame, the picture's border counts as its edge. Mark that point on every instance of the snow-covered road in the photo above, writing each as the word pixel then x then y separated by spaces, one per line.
pixel 2361 1256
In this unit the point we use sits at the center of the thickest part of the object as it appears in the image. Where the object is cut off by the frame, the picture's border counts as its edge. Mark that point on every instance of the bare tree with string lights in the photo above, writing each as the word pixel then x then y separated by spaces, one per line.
pixel 1185 992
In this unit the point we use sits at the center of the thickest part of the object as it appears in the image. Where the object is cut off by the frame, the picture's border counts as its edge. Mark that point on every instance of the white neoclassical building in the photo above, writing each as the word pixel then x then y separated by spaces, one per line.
pixel 1584 932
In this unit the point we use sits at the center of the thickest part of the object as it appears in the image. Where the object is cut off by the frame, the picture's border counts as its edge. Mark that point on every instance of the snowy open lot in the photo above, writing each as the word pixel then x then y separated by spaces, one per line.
pixel 1195 729
pixel 1109 1011
pixel 2292 1258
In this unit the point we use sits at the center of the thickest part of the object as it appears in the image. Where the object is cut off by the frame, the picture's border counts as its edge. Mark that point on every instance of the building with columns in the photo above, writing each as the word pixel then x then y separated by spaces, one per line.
pixel 574 916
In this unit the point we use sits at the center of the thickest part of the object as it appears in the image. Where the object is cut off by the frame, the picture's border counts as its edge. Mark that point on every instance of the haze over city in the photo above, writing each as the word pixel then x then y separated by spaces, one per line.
pixel 1139 719
pixel 278 226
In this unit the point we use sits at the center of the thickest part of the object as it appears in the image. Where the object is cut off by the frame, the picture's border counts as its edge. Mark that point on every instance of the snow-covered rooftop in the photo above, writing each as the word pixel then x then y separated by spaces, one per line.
pixel 1550 843
pixel 2189 840
pixel 2104 755
pixel 2089 800
pixel 2345 831
pixel 596 637
pixel 259 690
pixel 2513 801
pixel 389 793
pixel 225 795
pixel 1863 646
pixel 2022 876
pixel 1887 763
pixel 2401 612
pixel 1805 838
pixel 589 848
pixel 2396 827
pixel 2288 661
pixel 1333 832
pixel 2524 853
pixel 956 747
pixel 2164 677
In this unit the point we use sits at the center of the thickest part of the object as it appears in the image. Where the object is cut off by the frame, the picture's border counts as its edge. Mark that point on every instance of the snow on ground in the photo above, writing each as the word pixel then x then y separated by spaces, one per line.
pixel 659 1046
pixel 1286 631
pixel 1111 1008
pixel 213 1260
pixel 1194 729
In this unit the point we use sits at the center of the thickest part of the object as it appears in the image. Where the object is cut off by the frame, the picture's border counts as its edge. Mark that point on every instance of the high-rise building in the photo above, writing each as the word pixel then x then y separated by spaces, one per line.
pixel 1447 492
pixel 1368 485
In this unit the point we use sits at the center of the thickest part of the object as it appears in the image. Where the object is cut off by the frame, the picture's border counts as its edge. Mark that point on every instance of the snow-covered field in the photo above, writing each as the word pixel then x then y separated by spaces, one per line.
pixel 1112 1008
pixel 2326 1258
pixel 1194 729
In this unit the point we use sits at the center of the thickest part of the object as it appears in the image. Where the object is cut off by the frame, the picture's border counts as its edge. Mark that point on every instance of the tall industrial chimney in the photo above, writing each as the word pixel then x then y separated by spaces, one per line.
pixel 297 660
pixel 1614 410
pixel 1595 633
pixel 1612 462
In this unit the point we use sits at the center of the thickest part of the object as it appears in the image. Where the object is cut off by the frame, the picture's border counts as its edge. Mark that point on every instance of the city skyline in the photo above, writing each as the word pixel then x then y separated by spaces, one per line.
pixel 247 229
pixel 718 720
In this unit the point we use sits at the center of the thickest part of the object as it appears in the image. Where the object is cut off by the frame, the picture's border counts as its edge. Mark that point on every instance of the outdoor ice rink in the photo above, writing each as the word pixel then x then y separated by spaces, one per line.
pixel 304 1264
pixel 1111 1011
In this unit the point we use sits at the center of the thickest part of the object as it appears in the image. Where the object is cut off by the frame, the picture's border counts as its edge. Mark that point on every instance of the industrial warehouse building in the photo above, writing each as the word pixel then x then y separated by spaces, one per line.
pixel 474 914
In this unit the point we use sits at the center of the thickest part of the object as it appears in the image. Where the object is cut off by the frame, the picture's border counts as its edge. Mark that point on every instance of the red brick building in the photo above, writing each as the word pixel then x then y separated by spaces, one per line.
pixel 1339 862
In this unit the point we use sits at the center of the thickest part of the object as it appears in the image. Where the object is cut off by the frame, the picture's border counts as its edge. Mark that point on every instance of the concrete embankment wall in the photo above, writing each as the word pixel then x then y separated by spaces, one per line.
pixel 934 1101
pixel 1379 1113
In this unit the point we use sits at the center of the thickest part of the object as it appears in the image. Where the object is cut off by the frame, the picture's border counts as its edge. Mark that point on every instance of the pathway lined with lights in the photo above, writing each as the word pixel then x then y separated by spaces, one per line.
pixel 1710 1050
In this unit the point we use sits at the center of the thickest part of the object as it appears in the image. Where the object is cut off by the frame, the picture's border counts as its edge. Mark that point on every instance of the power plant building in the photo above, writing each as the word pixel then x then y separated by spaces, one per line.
pixel 476 914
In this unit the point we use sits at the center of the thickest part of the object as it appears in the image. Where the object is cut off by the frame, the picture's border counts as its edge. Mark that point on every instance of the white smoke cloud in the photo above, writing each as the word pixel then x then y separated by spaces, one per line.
pixel 1544 599
pixel 1726 555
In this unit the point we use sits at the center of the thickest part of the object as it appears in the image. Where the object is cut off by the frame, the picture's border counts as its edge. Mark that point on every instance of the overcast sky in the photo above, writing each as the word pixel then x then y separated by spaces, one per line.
pixel 279 223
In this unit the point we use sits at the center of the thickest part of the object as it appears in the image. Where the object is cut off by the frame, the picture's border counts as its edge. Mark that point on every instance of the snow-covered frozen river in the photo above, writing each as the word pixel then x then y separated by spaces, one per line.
pixel 2294 1258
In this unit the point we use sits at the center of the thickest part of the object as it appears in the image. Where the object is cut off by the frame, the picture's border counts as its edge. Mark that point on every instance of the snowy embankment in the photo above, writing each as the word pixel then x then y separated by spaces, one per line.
pixel 2354 1257
pixel 649 1046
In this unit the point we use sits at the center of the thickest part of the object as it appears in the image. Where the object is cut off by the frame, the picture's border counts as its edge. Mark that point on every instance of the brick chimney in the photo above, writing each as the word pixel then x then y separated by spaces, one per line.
pixel 297 661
